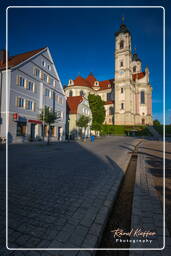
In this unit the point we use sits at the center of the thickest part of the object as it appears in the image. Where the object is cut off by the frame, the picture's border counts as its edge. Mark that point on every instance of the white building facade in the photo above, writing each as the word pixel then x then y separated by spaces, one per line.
pixel 33 83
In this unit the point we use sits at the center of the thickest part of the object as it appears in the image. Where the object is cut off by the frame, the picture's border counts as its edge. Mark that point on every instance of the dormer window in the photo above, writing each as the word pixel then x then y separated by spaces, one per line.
pixel 134 69
pixel 121 44
pixel 96 83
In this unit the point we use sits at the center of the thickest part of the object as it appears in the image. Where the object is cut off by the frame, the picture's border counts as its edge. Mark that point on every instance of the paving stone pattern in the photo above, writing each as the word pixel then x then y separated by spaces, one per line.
pixel 148 211
pixel 60 196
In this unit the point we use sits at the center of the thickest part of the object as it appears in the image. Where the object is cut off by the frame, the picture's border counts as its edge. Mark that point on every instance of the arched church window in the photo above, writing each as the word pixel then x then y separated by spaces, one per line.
pixel 134 69
pixel 142 95
pixel 70 93
pixel 81 93
pixel 121 44
pixel 121 64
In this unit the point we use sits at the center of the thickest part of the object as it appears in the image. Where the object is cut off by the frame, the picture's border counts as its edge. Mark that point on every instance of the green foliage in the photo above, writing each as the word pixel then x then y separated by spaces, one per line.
pixel 156 122
pixel 167 130
pixel 98 111
pixel 140 130
pixel 49 117
pixel 83 121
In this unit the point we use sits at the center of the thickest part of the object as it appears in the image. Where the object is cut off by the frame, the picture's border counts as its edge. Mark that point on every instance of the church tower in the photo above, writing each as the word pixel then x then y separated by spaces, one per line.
pixel 124 89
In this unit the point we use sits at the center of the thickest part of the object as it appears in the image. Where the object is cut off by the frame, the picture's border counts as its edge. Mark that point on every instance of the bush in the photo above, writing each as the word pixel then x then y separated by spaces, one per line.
pixel 140 130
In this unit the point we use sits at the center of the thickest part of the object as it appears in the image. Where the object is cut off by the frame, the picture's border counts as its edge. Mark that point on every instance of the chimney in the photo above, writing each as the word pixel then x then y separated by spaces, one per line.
pixel 2 56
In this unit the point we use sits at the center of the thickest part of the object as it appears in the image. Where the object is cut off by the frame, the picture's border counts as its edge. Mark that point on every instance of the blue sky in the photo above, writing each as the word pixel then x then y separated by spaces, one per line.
pixel 82 40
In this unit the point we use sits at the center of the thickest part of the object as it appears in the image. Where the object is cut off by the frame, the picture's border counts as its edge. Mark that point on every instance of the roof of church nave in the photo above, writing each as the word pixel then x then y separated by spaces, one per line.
pixel 90 82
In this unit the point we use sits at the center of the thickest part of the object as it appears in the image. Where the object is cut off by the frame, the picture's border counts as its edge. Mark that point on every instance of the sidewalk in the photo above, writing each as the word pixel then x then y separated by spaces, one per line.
pixel 147 212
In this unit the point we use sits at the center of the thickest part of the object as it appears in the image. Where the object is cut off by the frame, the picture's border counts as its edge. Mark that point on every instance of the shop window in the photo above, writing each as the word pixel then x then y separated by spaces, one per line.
pixel 21 128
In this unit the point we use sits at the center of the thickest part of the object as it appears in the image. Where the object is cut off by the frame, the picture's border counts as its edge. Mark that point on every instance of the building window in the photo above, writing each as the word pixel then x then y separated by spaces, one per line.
pixel 134 69
pixel 49 67
pixel 45 77
pixel 111 112
pixel 21 128
pixel 70 93
pixel 81 93
pixel 108 96
pixel 30 86
pixel 47 92
pixel 121 64
pixel 121 44
pixel 122 105
pixel 29 105
pixel 22 81
pixel 51 81
pixel 43 63
pixel 37 72
pixel 20 102
pixel 122 90
pixel 142 97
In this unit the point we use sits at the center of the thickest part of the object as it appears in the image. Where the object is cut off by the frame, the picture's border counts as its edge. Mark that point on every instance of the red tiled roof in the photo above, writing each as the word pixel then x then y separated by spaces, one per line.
pixel 89 82
pixel 91 79
pixel 72 104
pixel 109 102
pixel 19 58
pixel 81 81
pixel 138 76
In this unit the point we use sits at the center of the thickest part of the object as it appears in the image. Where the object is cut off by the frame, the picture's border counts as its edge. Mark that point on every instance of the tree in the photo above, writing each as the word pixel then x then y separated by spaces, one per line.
pixel 48 117
pixel 156 122
pixel 98 111
pixel 83 122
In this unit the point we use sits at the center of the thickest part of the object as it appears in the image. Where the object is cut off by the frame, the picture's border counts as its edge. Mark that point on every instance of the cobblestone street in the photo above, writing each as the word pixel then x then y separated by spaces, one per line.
pixel 60 195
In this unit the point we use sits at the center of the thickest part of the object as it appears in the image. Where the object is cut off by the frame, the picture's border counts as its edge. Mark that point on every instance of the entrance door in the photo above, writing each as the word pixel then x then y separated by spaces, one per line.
pixel 32 131
pixel 143 121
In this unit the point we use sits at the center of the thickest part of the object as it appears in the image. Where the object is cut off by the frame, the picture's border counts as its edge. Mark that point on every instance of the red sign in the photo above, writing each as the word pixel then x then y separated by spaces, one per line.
pixel 35 121
pixel 15 116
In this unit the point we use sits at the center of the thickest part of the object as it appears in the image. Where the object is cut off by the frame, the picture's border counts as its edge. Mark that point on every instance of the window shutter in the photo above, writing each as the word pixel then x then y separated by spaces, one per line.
pixel 17 101
pixel 34 71
pixel 41 75
pixel 48 79
pixel 34 88
pixel 17 79
pixel 34 107
pixel 26 104
pixel 26 83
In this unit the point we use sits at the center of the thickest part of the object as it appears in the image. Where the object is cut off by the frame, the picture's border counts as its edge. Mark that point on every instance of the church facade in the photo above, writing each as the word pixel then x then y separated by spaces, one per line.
pixel 128 96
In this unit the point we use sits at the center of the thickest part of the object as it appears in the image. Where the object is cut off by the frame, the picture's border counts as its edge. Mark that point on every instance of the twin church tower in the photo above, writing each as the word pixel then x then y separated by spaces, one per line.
pixel 127 97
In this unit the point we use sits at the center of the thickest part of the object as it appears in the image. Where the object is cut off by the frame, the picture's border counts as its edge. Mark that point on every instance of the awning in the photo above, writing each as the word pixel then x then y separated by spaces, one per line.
pixel 35 121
